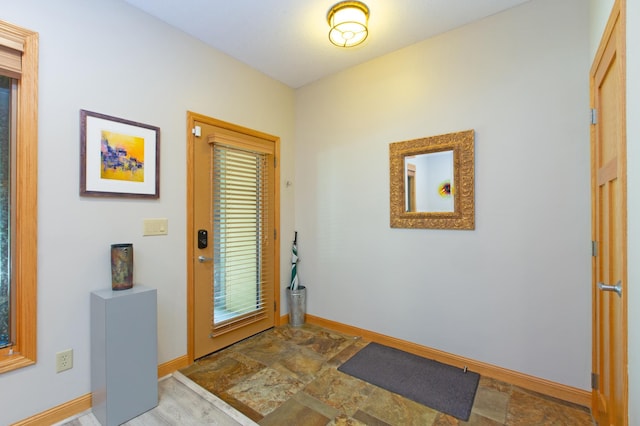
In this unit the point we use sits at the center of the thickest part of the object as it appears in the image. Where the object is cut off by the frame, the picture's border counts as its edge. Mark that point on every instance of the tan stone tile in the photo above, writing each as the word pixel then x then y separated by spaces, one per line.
pixel 346 353
pixel 358 419
pixel 294 413
pixel 203 363
pixel 551 399
pixel 474 420
pixel 256 340
pixel 528 409
pixel 446 420
pixel 308 354
pixel 223 372
pixel 304 364
pixel 491 403
pixel 488 382
pixel 295 334
pixel 339 390
pixel 362 418
pixel 268 350
pixel 316 405
pixel 477 420
pixel 326 343
pixel 190 369
pixel 397 410
pixel 266 390
pixel 240 406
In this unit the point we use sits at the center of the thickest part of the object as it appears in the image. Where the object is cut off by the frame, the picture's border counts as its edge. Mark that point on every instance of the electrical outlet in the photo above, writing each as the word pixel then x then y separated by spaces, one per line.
pixel 64 360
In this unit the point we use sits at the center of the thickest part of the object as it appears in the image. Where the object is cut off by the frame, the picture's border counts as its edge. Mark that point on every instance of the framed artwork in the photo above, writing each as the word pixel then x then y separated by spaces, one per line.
pixel 118 158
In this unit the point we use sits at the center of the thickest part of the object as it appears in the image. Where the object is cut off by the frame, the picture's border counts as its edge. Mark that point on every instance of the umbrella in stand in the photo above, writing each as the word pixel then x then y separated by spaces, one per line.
pixel 294 263
pixel 297 294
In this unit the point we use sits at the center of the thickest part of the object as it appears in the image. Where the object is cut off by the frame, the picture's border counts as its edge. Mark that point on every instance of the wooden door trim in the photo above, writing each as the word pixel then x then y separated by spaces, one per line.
pixel 612 37
pixel 192 118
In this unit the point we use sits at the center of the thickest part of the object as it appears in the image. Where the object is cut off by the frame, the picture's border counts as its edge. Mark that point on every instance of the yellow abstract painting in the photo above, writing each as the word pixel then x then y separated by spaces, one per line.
pixel 122 157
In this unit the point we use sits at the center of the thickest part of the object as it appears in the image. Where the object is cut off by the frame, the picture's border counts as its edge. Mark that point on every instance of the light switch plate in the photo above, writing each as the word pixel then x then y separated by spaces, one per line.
pixel 156 227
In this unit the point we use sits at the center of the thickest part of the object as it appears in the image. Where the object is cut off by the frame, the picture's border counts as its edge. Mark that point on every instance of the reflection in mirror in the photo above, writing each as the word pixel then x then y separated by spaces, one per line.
pixel 432 182
pixel 429 182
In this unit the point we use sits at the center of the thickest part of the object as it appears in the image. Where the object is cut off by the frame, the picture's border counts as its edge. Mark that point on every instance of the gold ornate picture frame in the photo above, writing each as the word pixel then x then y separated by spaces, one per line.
pixel 461 186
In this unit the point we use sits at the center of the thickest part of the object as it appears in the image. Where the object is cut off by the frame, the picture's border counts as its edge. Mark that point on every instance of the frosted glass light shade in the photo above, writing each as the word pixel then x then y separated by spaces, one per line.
pixel 348 21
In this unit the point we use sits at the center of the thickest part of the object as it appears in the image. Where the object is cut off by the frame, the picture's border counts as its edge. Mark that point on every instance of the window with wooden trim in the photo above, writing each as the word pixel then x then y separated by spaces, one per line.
pixel 18 195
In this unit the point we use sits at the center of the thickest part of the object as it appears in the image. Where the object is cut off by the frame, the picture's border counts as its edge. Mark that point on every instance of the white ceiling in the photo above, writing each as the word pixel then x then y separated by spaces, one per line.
pixel 288 39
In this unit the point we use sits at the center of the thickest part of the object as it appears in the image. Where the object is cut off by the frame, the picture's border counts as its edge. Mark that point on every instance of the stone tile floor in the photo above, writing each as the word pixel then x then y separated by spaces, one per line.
pixel 288 376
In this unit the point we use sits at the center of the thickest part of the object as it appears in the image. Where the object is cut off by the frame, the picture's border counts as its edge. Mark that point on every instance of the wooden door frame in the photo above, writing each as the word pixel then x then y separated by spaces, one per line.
pixel 192 117
pixel 618 13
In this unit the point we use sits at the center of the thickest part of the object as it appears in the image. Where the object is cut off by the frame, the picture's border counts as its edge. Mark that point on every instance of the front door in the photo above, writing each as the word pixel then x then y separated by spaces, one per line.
pixel 232 255
pixel 609 225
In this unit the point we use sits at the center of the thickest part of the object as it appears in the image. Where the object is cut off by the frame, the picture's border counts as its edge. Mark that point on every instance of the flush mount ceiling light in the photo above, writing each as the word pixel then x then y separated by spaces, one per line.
pixel 348 21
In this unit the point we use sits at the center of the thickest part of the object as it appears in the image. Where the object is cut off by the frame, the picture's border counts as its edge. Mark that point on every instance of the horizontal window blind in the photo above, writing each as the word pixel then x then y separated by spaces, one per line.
pixel 240 204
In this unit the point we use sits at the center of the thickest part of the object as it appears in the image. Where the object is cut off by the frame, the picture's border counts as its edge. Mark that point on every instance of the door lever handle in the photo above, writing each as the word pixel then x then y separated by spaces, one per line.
pixel 617 288
pixel 203 259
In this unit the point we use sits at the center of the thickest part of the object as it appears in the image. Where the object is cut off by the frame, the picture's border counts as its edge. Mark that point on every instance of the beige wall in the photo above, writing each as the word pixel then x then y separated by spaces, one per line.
pixel 511 293
pixel 516 291
pixel 598 14
pixel 106 56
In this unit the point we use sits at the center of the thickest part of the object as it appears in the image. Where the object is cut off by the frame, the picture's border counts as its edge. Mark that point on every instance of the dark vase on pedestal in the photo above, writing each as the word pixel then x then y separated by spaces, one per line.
pixel 121 266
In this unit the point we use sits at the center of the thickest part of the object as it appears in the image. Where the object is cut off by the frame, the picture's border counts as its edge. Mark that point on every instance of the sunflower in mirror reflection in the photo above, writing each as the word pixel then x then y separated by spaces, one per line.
pixel 445 189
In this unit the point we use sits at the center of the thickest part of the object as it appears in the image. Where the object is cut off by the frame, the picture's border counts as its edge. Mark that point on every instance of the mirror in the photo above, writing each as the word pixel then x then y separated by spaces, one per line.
pixel 428 179
pixel 432 182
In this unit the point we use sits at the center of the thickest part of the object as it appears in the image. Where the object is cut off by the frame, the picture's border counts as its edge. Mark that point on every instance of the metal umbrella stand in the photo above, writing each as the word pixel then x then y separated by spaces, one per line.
pixel 296 293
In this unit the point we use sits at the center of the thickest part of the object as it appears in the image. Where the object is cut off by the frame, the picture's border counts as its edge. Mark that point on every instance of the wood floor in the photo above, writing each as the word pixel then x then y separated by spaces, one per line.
pixel 181 402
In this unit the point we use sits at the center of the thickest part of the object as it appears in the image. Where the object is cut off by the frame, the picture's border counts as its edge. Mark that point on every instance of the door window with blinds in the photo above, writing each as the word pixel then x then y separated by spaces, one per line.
pixel 232 201
pixel 241 200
